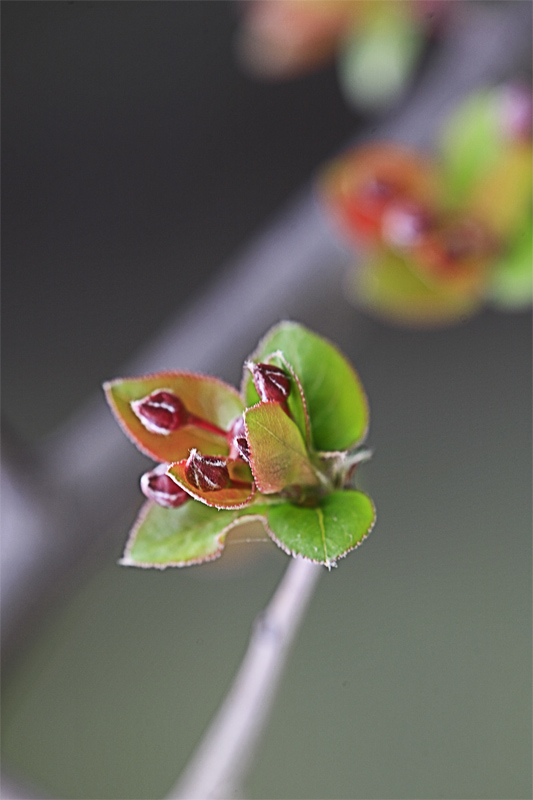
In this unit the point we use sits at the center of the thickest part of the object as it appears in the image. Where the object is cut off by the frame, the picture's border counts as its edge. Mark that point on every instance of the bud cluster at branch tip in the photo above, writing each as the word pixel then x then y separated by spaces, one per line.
pixel 207 473
pixel 272 383
pixel 156 485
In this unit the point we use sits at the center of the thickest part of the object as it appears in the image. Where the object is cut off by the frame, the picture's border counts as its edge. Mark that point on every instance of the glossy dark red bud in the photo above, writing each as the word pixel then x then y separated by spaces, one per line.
pixel 207 473
pixel 238 442
pixel 243 448
pixel 160 412
pixel 160 488
pixel 272 383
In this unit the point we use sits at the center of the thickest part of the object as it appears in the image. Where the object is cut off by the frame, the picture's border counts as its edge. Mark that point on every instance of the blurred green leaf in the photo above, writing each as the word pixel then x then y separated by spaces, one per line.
pixel 324 533
pixel 336 402
pixel 511 283
pixel 471 143
pixel 206 397
pixel 177 537
pixel 388 287
pixel 377 59
pixel 278 454
pixel 503 195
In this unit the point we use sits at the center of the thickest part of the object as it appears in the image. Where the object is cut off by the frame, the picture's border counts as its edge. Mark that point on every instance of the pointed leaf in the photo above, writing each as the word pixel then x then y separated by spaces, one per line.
pixel 278 455
pixel 338 524
pixel 236 495
pixel 336 402
pixel 177 537
pixel 205 397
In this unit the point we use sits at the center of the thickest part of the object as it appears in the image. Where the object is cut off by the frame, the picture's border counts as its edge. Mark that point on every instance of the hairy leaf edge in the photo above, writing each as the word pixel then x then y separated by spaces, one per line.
pixel 108 385
pixel 288 324
pixel 126 561
pixel 328 564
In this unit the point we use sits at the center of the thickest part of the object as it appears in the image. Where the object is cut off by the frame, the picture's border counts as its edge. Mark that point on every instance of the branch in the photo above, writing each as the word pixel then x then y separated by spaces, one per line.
pixel 220 764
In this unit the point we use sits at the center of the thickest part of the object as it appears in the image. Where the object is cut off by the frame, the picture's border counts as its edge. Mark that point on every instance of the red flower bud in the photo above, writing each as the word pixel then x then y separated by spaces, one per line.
pixel 454 247
pixel 404 224
pixel 272 383
pixel 207 473
pixel 160 488
pixel 238 442
pixel 160 412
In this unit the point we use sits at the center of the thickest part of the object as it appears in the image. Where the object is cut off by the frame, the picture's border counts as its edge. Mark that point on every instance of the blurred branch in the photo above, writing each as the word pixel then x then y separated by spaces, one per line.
pixel 220 764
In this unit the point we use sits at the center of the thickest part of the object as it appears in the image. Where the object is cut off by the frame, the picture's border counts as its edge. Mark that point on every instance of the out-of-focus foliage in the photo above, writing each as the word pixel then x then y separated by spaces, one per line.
pixel 283 451
pixel 376 43
pixel 443 234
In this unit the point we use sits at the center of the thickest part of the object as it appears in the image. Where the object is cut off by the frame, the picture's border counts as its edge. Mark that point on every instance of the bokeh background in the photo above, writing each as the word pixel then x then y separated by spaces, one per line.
pixel 137 159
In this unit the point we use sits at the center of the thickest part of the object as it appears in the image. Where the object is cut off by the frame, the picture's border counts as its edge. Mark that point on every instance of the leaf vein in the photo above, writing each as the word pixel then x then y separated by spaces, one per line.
pixel 323 532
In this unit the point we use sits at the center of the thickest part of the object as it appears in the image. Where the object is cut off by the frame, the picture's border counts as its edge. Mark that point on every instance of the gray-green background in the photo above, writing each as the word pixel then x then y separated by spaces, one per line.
pixel 411 677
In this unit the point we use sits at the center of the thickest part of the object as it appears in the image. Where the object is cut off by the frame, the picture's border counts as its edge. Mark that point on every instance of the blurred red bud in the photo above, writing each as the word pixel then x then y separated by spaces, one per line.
pixel 272 383
pixel 160 412
pixel 404 224
pixel 207 473
pixel 159 487
pixel 454 245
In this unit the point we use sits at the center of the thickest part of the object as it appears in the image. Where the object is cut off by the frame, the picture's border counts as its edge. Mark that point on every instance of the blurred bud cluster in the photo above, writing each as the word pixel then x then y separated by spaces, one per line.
pixel 441 234
pixel 376 45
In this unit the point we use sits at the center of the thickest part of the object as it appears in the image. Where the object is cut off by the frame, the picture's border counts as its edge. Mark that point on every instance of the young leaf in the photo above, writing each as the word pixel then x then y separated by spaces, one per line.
pixel 511 284
pixel 471 143
pixel 388 287
pixel 236 495
pixel 503 195
pixel 278 455
pixel 336 402
pixel 376 62
pixel 326 532
pixel 207 399
pixel 177 537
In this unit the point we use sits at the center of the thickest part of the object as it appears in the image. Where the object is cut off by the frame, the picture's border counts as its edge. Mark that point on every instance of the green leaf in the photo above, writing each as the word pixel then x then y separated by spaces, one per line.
pixel 471 143
pixel 336 402
pixel 512 281
pixel 278 455
pixel 377 60
pixel 338 524
pixel 205 397
pixel 177 537
pixel 233 496
pixel 389 288
pixel 502 196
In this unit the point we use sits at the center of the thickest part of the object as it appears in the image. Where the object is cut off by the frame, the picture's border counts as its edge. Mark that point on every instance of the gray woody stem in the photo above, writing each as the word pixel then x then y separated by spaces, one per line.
pixel 218 768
